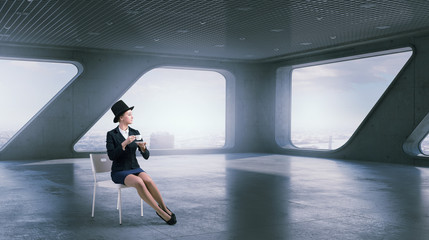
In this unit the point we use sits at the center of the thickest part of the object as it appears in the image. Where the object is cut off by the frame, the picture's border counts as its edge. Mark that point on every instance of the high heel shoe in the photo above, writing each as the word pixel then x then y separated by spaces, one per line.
pixel 172 213
pixel 172 220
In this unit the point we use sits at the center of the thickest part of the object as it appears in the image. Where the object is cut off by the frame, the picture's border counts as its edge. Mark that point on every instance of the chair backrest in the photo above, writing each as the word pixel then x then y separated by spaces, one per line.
pixel 100 162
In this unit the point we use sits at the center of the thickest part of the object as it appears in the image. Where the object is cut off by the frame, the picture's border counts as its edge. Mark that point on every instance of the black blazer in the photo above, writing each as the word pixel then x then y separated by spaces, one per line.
pixel 123 160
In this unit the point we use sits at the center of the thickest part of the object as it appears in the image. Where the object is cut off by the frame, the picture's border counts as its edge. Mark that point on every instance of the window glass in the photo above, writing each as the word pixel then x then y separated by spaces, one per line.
pixel 329 101
pixel 25 88
pixel 173 109
pixel 424 145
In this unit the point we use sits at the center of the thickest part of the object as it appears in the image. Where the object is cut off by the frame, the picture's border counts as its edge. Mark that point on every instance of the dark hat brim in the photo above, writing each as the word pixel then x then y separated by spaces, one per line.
pixel 116 119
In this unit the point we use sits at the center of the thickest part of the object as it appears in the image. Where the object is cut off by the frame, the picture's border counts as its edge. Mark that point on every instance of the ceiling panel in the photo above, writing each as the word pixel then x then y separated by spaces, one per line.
pixel 251 30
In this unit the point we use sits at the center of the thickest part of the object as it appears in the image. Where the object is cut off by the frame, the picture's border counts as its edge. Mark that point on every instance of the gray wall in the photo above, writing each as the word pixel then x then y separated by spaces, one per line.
pixel 252 100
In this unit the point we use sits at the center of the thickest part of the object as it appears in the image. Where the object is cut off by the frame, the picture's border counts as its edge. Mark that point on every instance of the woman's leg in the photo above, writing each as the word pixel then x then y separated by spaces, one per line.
pixel 154 191
pixel 136 182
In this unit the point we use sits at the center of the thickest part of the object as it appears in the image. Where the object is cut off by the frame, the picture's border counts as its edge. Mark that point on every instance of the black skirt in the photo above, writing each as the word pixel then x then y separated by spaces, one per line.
pixel 119 176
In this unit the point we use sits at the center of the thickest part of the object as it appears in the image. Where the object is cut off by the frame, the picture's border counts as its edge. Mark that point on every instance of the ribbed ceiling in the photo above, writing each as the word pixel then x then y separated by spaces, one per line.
pixel 236 29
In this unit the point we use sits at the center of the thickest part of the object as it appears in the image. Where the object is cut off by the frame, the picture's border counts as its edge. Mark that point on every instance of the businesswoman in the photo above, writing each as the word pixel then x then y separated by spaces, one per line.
pixel 121 147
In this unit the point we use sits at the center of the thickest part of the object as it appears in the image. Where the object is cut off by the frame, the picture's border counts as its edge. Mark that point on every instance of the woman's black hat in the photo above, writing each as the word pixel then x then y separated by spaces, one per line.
pixel 119 108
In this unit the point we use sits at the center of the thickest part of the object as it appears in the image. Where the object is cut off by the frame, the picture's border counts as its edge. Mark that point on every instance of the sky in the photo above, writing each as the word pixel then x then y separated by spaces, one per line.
pixel 338 96
pixel 176 101
pixel 26 86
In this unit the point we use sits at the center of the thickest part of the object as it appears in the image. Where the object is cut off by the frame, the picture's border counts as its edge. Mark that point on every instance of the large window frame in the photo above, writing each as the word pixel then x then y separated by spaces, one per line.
pixel 413 144
pixel 284 97
pixel 79 70
pixel 229 111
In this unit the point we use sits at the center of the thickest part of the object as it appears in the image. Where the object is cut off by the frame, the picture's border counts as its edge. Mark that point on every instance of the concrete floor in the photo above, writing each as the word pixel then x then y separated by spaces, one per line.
pixel 225 196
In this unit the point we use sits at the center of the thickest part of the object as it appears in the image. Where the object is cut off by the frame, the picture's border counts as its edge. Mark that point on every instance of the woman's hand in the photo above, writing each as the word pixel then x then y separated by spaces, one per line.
pixel 142 145
pixel 130 139
pixel 127 141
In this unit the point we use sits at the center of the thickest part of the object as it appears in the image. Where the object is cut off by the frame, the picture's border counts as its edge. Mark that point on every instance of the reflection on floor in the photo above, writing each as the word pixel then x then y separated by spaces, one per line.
pixel 225 196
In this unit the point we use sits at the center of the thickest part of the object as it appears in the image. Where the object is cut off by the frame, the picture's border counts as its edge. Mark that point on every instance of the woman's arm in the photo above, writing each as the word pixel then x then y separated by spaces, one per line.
pixel 143 150
pixel 142 147
pixel 145 153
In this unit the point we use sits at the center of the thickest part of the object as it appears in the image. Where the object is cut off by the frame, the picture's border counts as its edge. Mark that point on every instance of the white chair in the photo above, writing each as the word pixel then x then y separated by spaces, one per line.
pixel 101 164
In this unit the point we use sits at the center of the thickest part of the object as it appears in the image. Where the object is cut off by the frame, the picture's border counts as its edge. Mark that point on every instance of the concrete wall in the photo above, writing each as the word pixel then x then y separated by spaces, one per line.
pixel 253 97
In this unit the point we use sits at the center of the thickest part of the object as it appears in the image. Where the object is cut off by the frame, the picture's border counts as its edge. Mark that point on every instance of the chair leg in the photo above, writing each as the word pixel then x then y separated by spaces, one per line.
pixel 117 202
pixel 93 200
pixel 120 206
pixel 141 207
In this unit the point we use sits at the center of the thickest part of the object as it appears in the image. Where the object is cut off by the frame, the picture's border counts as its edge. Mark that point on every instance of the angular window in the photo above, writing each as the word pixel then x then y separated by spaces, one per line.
pixel 330 100
pixel 424 145
pixel 173 109
pixel 25 88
